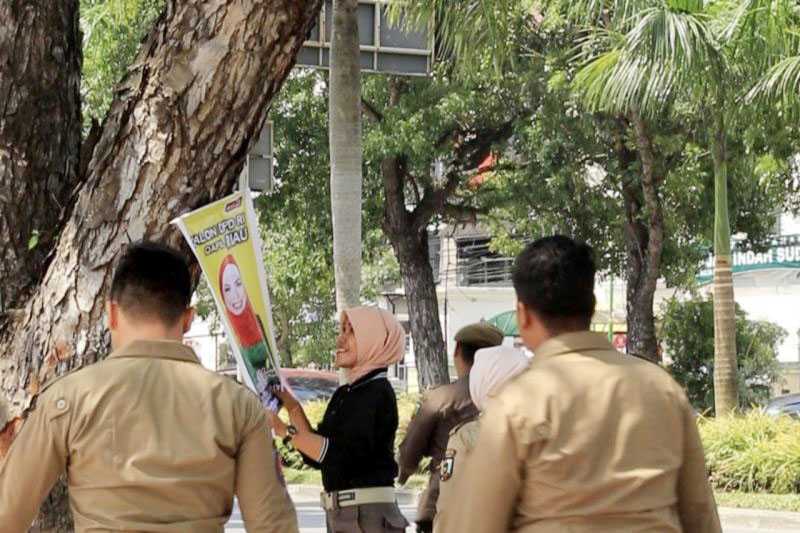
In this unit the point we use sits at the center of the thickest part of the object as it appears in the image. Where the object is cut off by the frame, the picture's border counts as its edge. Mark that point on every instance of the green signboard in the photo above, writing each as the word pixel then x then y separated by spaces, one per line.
pixel 783 253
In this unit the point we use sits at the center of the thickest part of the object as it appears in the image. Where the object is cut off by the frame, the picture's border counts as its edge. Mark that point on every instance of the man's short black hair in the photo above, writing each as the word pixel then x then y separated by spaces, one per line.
pixel 554 277
pixel 152 281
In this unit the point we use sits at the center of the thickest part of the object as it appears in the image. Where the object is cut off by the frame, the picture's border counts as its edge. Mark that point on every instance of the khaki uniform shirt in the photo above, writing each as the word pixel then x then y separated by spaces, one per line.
pixel 442 409
pixel 586 440
pixel 461 443
pixel 150 441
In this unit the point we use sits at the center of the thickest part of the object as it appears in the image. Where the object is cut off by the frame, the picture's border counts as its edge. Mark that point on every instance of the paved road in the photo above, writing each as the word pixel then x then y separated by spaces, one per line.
pixel 312 519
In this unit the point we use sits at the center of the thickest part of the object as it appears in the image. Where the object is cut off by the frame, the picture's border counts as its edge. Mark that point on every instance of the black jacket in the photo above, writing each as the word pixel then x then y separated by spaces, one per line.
pixel 359 427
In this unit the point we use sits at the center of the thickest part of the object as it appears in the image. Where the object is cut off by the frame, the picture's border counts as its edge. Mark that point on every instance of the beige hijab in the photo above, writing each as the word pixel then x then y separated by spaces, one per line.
pixel 380 340
pixel 492 369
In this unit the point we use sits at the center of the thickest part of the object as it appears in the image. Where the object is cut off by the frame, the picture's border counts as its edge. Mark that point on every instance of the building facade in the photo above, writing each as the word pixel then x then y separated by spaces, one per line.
pixel 474 283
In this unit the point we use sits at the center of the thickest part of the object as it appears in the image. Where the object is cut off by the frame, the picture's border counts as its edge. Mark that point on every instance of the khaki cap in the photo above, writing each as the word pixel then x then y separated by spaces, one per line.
pixel 481 334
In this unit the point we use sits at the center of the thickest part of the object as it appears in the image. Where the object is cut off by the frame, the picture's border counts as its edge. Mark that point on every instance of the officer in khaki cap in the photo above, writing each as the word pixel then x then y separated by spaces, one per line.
pixel 442 409
pixel 149 439
pixel 586 440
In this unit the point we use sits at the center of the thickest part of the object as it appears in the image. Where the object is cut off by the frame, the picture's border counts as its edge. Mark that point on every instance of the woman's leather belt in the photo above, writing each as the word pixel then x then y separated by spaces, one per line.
pixel 349 498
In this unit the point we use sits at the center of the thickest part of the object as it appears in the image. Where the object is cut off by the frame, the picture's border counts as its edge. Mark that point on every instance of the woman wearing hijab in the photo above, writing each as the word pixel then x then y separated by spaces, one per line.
pixel 492 369
pixel 353 446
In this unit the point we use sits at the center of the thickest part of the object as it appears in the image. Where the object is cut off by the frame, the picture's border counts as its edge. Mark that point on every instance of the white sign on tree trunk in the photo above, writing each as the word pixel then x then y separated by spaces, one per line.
pixel 257 171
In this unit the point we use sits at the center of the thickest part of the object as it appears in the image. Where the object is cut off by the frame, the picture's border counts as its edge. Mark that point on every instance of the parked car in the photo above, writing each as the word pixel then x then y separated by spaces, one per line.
pixel 784 405
pixel 309 385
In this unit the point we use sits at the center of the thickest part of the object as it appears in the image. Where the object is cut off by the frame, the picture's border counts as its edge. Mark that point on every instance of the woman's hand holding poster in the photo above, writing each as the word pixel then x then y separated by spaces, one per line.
pixel 224 238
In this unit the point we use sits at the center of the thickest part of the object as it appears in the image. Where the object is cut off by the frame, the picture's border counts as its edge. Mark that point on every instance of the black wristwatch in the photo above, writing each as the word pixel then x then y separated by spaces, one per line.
pixel 291 431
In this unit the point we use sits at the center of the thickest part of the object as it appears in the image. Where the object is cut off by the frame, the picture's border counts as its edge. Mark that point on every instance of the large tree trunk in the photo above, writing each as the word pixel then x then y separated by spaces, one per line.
pixel 423 309
pixel 174 139
pixel 726 391
pixel 644 238
pixel 40 135
pixel 40 140
pixel 410 244
pixel 346 153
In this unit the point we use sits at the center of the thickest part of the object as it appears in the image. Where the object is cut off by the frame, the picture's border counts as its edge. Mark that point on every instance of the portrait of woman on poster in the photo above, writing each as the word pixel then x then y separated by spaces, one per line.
pixel 247 329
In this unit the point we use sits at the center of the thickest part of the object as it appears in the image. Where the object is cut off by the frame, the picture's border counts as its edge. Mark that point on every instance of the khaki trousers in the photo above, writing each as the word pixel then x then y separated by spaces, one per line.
pixel 367 518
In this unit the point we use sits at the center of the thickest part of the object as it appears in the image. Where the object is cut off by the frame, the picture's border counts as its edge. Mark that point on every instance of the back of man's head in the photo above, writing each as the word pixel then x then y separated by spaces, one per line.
pixel 474 337
pixel 152 283
pixel 554 278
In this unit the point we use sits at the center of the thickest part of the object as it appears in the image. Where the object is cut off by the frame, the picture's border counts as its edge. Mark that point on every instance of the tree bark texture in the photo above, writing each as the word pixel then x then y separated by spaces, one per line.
pixel 174 139
pixel 644 237
pixel 346 153
pixel 40 135
pixel 410 245
pixel 726 392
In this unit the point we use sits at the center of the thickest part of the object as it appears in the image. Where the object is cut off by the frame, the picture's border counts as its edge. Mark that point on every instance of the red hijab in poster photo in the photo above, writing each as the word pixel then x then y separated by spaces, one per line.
pixel 244 323
pixel 240 313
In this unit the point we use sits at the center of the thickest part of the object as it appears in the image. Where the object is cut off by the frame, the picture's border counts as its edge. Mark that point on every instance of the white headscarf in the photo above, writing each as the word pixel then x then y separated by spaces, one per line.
pixel 493 367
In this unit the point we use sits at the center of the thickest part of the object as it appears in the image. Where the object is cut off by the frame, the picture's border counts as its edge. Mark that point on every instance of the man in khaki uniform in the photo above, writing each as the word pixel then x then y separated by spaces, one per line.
pixel 148 438
pixel 443 408
pixel 492 369
pixel 587 439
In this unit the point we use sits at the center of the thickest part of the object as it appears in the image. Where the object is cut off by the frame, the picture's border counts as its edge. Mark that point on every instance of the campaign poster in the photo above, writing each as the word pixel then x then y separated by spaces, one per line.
pixel 224 237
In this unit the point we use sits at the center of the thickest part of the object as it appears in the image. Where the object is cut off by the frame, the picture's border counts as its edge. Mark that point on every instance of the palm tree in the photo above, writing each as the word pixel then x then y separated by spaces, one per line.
pixel 703 53
pixel 646 59
pixel 346 153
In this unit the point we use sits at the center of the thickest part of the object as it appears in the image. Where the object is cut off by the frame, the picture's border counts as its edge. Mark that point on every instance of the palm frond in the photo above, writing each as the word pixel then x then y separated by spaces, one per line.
pixel 467 30
pixel 762 34
pixel 599 13
pixel 617 81
pixel 781 83
pixel 669 49
pixel 681 40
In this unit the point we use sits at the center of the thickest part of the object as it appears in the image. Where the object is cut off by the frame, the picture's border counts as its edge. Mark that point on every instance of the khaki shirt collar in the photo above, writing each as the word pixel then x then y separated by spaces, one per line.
pixel 157 349
pixel 579 341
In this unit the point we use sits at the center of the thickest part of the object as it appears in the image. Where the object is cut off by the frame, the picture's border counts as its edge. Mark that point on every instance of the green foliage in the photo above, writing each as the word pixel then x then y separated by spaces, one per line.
pixel 687 329
pixel 753 453
pixel 571 175
pixel 291 458
pixel 112 31
pixel 429 120
pixel 296 225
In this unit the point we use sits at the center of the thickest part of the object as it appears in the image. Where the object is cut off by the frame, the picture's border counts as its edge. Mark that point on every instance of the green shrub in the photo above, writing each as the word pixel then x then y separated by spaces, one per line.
pixel 291 458
pixel 687 329
pixel 753 453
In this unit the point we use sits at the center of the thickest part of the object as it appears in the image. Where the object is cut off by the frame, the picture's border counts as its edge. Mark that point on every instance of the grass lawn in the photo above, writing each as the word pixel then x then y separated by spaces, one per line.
pixel 771 502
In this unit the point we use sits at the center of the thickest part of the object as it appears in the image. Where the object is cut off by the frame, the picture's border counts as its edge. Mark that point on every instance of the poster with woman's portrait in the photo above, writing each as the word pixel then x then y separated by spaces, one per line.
pixel 224 238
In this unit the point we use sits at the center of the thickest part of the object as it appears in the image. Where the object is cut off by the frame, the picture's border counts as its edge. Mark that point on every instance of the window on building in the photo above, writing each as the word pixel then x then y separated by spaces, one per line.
pixel 478 265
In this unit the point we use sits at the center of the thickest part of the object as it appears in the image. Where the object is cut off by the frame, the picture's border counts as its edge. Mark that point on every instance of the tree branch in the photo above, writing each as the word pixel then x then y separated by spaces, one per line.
pixel 461 214
pixel 467 156
pixel 371 111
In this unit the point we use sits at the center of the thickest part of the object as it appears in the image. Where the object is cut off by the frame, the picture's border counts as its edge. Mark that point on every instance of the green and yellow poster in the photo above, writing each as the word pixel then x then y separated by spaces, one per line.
pixel 224 238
